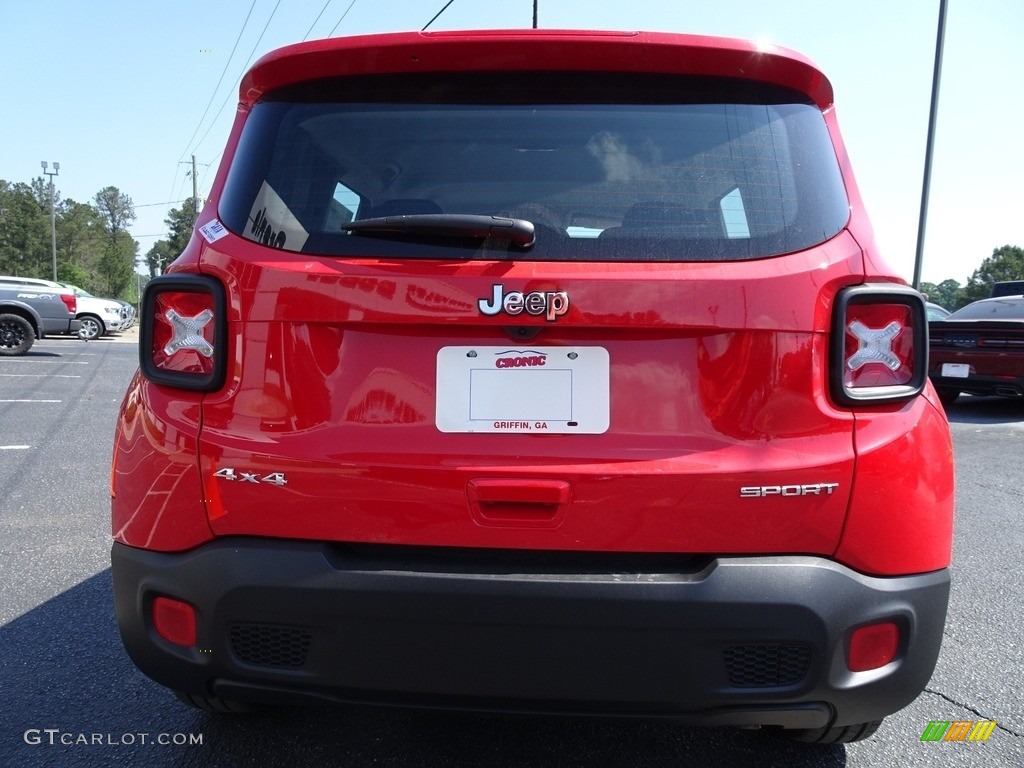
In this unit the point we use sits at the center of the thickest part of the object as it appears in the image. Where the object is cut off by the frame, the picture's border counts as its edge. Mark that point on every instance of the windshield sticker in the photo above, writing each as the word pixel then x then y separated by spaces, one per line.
pixel 213 231
pixel 271 223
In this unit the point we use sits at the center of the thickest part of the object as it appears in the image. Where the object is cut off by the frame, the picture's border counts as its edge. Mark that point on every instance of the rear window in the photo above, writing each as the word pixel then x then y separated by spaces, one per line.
pixel 606 167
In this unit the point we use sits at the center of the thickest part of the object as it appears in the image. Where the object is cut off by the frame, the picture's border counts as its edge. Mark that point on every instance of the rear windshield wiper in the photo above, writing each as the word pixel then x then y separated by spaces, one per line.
pixel 519 231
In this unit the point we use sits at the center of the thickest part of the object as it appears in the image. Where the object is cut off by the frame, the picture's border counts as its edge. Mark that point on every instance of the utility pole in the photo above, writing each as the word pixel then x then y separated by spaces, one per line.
pixel 535 14
pixel 195 192
pixel 53 214
pixel 930 145
pixel 195 188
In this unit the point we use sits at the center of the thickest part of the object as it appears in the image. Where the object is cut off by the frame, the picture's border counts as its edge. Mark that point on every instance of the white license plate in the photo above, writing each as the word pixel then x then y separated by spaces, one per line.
pixel 533 390
pixel 956 370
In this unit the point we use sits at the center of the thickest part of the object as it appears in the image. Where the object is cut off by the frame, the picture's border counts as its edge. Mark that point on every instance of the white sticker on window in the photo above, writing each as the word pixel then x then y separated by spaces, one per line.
pixel 213 231
pixel 734 215
pixel 271 223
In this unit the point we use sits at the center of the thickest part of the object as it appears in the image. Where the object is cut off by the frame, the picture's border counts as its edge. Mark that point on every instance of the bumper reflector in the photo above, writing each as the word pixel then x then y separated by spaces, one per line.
pixel 873 646
pixel 175 621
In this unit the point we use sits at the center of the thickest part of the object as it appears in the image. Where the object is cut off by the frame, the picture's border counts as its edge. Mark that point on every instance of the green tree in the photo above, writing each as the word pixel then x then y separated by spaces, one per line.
pixel 116 267
pixel 81 241
pixel 159 256
pixel 179 223
pixel 946 294
pixel 25 243
pixel 1006 263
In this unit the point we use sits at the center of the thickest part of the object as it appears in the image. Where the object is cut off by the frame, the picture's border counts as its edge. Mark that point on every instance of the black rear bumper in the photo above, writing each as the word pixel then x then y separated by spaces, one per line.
pixel 726 641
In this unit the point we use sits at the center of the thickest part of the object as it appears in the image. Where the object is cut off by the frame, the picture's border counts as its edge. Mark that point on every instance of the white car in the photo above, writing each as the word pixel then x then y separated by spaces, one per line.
pixel 97 316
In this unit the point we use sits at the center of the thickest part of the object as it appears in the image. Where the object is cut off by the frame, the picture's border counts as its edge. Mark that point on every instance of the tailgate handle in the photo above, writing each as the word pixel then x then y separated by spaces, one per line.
pixel 518 501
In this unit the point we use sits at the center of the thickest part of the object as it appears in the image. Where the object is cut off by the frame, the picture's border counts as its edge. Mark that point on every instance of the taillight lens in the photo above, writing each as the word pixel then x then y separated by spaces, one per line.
pixel 879 344
pixel 184 332
pixel 70 301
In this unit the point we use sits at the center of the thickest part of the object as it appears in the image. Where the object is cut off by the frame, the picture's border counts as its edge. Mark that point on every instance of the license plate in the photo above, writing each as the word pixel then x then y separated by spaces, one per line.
pixel 956 370
pixel 533 390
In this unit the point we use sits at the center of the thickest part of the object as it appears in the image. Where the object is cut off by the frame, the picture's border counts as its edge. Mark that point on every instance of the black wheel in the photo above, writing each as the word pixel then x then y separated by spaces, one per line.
pixel 214 704
pixel 16 335
pixel 92 327
pixel 947 396
pixel 840 734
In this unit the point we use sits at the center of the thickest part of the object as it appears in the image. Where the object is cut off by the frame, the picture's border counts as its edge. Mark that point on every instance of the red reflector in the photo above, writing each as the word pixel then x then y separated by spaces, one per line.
pixel 175 621
pixel 183 332
pixel 70 301
pixel 873 646
pixel 879 345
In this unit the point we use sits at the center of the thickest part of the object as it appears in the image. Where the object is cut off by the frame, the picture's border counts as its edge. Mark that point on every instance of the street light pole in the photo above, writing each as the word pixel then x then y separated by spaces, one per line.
pixel 53 214
pixel 933 113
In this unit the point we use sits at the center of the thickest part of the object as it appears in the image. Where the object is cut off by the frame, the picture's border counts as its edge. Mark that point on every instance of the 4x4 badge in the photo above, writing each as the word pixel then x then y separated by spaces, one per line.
pixel 551 304
pixel 274 478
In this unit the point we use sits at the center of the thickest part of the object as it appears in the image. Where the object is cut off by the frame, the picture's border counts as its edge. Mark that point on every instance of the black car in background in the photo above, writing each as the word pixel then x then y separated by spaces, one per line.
pixel 1007 288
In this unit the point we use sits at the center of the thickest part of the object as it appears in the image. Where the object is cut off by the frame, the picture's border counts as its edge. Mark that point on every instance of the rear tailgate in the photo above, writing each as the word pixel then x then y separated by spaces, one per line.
pixel 719 437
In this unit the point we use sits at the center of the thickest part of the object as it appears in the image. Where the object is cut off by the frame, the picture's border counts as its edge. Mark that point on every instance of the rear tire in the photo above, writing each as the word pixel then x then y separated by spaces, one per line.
pixel 16 335
pixel 843 734
pixel 214 704
pixel 947 396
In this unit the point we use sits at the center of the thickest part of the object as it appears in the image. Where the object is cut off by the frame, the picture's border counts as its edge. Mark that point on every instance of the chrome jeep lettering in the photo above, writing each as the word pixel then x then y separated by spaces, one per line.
pixel 549 304
pixel 763 491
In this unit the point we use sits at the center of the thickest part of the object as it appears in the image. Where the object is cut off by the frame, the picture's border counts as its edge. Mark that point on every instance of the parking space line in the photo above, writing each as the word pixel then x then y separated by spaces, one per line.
pixel 14 447
pixel 31 401
pixel 39 375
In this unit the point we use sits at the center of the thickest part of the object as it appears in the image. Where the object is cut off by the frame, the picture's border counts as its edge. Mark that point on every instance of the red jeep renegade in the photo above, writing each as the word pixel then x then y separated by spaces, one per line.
pixel 537 371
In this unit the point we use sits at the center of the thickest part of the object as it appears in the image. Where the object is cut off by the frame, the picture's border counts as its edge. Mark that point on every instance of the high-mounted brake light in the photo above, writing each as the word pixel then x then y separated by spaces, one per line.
pixel 879 345
pixel 70 301
pixel 184 332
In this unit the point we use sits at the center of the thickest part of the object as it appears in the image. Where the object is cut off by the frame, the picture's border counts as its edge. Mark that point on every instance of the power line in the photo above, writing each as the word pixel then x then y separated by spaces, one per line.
pixel 153 205
pixel 342 17
pixel 315 20
pixel 436 15
pixel 221 79
pixel 244 66
pixel 212 95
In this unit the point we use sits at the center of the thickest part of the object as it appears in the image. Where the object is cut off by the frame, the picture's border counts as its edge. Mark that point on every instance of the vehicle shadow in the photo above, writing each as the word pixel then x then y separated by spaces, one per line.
pixel 974 409
pixel 67 683
pixel 37 352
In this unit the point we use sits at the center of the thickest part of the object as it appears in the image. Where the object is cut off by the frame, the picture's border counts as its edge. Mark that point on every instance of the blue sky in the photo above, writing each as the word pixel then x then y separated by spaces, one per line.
pixel 116 92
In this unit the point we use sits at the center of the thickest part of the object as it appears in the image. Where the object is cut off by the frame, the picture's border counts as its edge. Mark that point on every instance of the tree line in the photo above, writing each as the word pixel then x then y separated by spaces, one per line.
pixel 94 249
pixel 1005 263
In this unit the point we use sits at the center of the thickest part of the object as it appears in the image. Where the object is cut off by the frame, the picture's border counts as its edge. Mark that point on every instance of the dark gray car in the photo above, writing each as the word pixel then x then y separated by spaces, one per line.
pixel 27 314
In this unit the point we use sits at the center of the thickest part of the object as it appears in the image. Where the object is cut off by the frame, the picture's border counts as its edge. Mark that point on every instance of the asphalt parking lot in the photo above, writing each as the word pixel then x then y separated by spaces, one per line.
pixel 69 696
